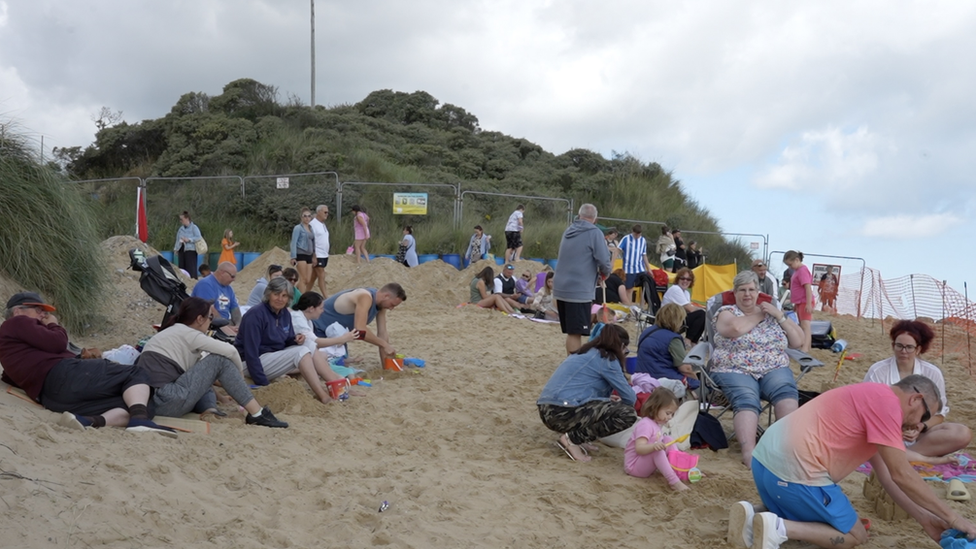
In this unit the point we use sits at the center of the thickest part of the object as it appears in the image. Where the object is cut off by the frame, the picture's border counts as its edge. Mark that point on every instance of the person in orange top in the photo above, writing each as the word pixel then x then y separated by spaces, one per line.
pixel 227 247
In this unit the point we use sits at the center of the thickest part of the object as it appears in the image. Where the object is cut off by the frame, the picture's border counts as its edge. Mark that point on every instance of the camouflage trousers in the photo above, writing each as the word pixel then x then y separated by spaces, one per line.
pixel 590 421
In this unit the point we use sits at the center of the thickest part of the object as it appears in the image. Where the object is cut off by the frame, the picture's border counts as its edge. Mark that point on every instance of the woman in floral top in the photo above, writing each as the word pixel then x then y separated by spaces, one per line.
pixel 750 361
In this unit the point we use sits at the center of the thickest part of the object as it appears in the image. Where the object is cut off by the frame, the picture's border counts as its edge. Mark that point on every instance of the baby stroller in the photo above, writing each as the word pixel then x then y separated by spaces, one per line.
pixel 159 280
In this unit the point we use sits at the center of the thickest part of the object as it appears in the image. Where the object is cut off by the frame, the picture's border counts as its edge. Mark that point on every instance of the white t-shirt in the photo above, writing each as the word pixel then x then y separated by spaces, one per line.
pixel 514 221
pixel 886 372
pixel 321 233
pixel 677 296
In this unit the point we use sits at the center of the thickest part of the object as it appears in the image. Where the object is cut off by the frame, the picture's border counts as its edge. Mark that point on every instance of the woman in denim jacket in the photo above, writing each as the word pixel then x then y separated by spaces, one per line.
pixel 578 401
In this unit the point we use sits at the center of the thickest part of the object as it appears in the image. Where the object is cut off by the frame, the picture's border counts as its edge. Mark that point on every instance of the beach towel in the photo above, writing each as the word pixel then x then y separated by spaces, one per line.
pixel 965 471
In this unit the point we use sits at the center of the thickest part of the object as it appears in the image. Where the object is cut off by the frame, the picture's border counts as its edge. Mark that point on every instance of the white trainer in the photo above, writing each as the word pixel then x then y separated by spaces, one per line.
pixel 764 533
pixel 740 524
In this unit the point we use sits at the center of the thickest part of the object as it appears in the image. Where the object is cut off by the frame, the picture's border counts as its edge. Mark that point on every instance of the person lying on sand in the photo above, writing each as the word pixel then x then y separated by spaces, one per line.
pixel 183 379
pixel 89 392
pixel 355 309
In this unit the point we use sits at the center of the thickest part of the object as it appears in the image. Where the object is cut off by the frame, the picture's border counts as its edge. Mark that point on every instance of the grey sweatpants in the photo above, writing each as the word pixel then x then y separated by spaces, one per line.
pixel 179 397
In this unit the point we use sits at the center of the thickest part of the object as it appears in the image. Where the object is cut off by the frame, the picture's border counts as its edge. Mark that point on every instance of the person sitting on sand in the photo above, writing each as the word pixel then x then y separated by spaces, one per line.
pixel 544 302
pixel 578 399
pixel 303 313
pixel 482 296
pixel 88 392
pixel 269 347
pixel 355 309
pixel 257 294
pixel 648 448
pixel 217 289
pixel 933 440
pixel 801 458
pixel 615 288
pixel 183 378
pixel 661 349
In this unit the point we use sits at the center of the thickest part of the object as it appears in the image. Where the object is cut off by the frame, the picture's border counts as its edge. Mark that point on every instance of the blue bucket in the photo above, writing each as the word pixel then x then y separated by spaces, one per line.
pixel 452 259
pixel 552 263
pixel 424 258
pixel 248 258
pixel 631 364
pixel 167 255
pixel 499 260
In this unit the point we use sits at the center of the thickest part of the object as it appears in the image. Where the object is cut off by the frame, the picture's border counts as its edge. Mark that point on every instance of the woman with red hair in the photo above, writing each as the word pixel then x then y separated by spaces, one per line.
pixel 932 440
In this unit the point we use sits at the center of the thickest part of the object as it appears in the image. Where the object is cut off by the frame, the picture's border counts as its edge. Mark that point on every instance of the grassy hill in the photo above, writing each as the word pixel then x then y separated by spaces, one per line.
pixel 388 137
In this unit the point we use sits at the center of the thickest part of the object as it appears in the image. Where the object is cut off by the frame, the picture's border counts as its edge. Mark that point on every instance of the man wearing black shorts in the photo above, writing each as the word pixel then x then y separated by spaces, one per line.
pixel 321 233
pixel 88 392
pixel 583 259
pixel 513 235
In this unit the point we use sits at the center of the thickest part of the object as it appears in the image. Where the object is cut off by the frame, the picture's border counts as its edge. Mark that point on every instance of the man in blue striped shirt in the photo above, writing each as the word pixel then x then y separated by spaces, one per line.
pixel 634 249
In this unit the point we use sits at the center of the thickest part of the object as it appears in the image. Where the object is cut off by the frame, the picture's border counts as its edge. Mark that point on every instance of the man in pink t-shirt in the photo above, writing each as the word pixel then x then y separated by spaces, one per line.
pixel 801 458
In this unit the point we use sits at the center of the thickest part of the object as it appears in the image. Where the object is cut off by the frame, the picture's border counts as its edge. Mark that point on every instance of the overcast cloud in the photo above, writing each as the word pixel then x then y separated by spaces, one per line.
pixel 838 127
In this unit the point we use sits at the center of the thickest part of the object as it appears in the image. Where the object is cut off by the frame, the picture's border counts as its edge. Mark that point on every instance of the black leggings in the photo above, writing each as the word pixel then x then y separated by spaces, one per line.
pixel 188 261
pixel 696 325
pixel 590 421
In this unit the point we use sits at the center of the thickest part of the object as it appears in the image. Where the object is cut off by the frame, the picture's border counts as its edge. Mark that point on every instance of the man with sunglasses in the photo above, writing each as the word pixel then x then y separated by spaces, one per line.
pixel 801 458
pixel 88 392
pixel 217 288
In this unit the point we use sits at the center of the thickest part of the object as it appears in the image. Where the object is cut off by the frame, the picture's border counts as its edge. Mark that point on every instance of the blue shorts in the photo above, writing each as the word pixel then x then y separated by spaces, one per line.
pixel 744 391
pixel 631 280
pixel 824 504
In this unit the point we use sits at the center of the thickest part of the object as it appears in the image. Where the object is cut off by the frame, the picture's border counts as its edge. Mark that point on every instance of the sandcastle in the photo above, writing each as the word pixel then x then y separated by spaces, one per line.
pixel 884 506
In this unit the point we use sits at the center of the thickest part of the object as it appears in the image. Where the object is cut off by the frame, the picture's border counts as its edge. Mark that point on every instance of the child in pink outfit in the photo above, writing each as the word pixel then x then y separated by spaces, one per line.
pixel 647 450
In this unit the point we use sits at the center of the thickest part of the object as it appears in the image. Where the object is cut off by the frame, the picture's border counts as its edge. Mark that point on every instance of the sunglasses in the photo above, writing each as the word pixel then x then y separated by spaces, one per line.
pixel 686 278
pixel 927 415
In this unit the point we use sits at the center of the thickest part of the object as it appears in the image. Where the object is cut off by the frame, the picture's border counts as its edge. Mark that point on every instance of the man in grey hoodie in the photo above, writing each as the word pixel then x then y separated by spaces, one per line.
pixel 583 257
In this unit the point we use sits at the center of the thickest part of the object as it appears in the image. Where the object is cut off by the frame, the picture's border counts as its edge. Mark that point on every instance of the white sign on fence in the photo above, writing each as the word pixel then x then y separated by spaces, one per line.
pixel 753 245
pixel 282 182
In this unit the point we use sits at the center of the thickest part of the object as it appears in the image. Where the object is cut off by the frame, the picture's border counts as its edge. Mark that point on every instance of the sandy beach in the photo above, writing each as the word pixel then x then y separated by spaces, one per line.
pixel 456 449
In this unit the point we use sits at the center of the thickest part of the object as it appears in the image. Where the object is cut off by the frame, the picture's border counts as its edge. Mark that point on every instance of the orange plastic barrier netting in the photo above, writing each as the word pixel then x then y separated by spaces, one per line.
pixel 866 295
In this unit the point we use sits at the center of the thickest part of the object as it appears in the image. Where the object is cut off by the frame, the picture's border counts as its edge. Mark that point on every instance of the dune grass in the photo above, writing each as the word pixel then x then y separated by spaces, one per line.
pixel 49 237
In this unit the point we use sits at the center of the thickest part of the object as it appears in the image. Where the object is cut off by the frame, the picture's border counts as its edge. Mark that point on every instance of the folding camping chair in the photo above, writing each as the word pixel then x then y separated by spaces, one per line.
pixel 699 357
pixel 648 303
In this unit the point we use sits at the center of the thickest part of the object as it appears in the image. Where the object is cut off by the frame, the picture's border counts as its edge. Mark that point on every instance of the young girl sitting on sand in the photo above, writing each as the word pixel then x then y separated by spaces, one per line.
pixel 647 450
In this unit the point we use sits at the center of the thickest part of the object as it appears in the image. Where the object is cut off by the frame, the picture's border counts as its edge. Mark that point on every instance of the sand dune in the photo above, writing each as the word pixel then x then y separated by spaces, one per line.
pixel 456 449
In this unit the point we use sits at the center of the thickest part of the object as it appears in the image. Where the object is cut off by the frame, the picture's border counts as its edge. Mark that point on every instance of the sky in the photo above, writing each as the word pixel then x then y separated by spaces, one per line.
pixel 838 128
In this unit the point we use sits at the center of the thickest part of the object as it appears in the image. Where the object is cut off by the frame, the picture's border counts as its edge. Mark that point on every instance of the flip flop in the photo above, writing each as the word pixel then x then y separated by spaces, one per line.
pixel 957 491
pixel 559 445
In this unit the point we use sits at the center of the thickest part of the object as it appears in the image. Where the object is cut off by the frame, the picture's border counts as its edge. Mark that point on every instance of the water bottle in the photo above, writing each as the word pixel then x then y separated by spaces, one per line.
pixel 839 346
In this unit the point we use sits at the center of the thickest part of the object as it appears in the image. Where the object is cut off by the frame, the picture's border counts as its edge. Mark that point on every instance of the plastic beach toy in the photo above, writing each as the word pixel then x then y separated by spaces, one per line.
pixel 415 362
pixel 955 539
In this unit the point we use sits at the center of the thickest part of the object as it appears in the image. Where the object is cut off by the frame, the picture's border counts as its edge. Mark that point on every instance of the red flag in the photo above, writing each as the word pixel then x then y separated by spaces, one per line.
pixel 142 224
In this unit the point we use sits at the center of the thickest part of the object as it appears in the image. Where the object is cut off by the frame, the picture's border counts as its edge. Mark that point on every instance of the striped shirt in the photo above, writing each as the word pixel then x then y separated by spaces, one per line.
pixel 634 250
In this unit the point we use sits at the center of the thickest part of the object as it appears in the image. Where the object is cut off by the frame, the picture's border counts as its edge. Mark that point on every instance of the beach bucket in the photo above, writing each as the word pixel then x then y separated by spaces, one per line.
pixel 682 462
pixel 631 364
pixel 337 388
pixel 452 259
pixel 552 263
pixel 426 258
pixel 500 260
pixel 167 255
pixel 395 364
pixel 248 258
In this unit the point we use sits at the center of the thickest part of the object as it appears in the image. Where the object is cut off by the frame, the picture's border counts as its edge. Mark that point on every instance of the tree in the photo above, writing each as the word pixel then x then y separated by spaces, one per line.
pixel 106 118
